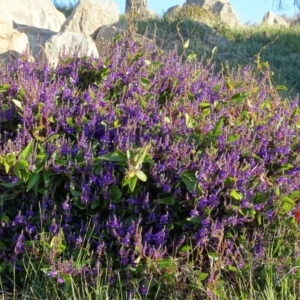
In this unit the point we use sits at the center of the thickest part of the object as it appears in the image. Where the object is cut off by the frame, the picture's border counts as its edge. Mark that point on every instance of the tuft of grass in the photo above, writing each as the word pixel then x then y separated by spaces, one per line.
pixel 237 47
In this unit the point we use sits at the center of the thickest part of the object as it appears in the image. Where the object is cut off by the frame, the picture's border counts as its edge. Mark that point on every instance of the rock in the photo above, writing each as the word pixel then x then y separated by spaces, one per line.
pixel 37 13
pixel 12 43
pixel 107 34
pixel 89 15
pixel 137 8
pixel 271 19
pixel 37 37
pixel 217 41
pixel 172 10
pixel 71 43
pixel 295 22
pixel 221 8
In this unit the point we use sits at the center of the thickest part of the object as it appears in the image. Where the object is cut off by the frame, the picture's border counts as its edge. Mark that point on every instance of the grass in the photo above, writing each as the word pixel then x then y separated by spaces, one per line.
pixel 261 278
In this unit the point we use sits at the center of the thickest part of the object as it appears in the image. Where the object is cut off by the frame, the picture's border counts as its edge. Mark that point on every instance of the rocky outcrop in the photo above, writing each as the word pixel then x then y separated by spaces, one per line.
pixel 46 34
pixel 107 34
pixel 37 13
pixel 172 10
pixel 89 15
pixel 220 8
pixel 70 43
pixel 271 19
pixel 12 43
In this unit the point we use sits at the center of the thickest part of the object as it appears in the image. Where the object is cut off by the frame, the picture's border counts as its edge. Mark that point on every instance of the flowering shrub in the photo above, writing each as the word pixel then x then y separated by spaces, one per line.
pixel 137 156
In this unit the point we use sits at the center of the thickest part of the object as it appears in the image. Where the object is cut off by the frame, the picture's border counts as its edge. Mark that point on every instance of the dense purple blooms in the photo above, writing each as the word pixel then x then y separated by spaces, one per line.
pixel 211 168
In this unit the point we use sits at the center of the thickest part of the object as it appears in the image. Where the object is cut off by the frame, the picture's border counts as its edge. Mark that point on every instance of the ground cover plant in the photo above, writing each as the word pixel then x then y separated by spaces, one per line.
pixel 147 175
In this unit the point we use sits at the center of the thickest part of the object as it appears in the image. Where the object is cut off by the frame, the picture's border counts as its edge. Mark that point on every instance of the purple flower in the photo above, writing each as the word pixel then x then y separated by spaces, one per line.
pixel 20 243
pixel 53 228
pixel 194 213
pixel 52 273
pixel 66 205
pixel 20 219
pixel 60 280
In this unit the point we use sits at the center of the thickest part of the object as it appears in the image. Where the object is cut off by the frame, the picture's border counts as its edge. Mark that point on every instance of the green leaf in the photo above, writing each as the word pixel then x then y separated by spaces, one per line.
pixel 141 175
pixel 18 104
pixel 232 268
pixel 21 94
pixel 214 51
pixel 239 97
pixel 279 123
pixel 203 276
pixel 288 200
pixel 46 177
pixel 27 152
pixel 233 137
pixel 17 172
pixel 11 185
pixel 297 276
pixel 6 167
pixel 189 122
pixel 33 179
pixel 4 87
pixel 185 248
pixel 186 44
pixel 144 81
pixel 77 202
pixel 286 207
pixel 218 125
pixel 205 105
pixel 191 57
pixel 191 182
pixel 165 263
pixel 22 164
pixel 53 137
pixel 166 200
pixel 236 195
pixel 2 246
pixel 167 120
pixel 294 194
pixel 132 183
pixel 70 122
pixel 251 212
pixel 3 265
pixel 115 193
pixel 281 88
pixel 117 156
pixel 96 204
pixel 245 167
pixel 196 220
pixel 141 155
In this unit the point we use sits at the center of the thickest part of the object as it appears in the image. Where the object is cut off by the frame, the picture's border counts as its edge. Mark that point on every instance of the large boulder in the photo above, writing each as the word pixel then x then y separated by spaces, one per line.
pixel 221 8
pixel 106 35
pixel 70 43
pixel 12 43
pixel 37 13
pixel 36 37
pixel 89 15
pixel 173 10
pixel 271 19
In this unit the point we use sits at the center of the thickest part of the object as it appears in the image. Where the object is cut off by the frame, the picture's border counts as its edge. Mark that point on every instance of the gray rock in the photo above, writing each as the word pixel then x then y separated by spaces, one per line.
pixel 89 15
pixel 221 8
pixel 37 13
pixel 72 43
pixel 172 10
pixel 107 34
pixel 271 19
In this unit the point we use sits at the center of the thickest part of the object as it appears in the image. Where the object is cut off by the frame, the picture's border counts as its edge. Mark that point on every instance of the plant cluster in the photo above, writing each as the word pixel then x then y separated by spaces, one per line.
pixel 143 163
